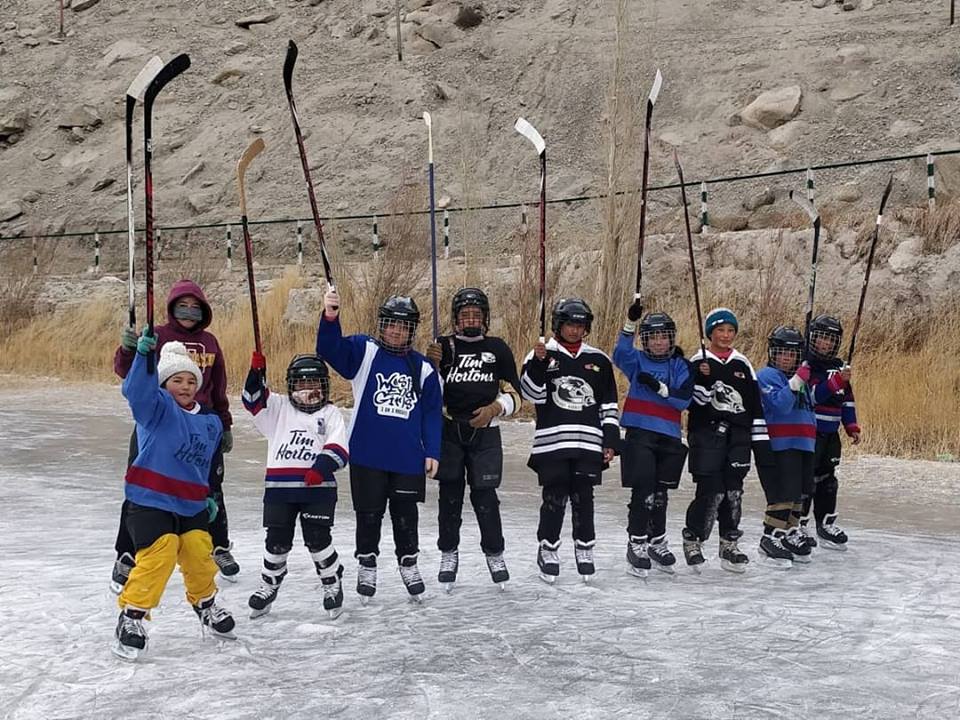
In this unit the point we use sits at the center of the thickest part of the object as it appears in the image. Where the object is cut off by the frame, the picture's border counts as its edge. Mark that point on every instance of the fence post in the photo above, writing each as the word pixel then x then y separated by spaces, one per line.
pixel 156 242
pixel 376 238
pixel 704 215
pixel 229 248
pixel 446 233
pixel 931 184
pixel 300 243
pixel 810 185
pixel 523 219
pixel 61 19
pixel 33 243
pixel 96 252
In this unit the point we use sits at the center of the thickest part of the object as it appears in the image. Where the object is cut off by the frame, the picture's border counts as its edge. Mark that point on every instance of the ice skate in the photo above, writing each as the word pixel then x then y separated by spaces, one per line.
pixel 638 562
pixel 548 560
pixel 261 601
pixel 498 570
pixel 130 637
pixel 794 542
pixel 660 555
pixel 693 552
pixel 229 568
pixel 410 574
pixel 809 537
pixel 449 564
pixel 583 553
pixel 121 571
pixel 833 537
pixel 366 577
pixel 215 618
pixel 732 558
pixel 772 551
pixel 333 593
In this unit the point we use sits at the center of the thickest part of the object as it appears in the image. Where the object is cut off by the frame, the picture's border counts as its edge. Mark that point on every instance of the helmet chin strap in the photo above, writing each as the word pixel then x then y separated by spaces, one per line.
pixel 470 332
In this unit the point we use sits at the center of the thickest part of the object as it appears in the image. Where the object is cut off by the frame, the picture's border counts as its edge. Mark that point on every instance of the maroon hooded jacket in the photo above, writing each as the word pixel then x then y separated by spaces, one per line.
pixel 203 348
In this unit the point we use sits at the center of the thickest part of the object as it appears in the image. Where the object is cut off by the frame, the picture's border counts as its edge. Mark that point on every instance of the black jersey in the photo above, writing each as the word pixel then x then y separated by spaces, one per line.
pixel 730 394
pixel 475 372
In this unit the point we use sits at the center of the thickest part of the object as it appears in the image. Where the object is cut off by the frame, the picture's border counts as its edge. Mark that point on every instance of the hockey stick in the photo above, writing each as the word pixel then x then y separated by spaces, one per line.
pixel 693 263
pixel 288 63
pixel 531 134
pixel 433 223
pixel 866 276
pixel 810 210
pixel 254 149
pixel 135 93
pixel 167 73
pixel 651 101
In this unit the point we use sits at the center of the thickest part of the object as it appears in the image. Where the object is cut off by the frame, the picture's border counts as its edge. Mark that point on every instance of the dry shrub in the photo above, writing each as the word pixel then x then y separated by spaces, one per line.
pixel 938 227
pixel 521 302
pixel 22 283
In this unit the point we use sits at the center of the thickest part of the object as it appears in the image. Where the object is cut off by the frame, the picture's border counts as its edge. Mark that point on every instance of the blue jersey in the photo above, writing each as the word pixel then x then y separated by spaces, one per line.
pixel 791 423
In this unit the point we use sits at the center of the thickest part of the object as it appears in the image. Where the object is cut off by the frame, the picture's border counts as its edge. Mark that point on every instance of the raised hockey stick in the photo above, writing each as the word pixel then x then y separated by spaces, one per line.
pixel 644 178
pixel 693 263
pixel 810 210
pixel 167 73
pixel 254 149
pixel 134 94
pixel 531 134
pixel 433 223
pixel 866 276
pixel 288 64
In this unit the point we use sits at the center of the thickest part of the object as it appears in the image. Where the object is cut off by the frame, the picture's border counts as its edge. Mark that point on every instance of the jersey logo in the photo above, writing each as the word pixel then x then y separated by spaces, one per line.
pixel 553 365
pixel 488 357
pixel 725 399
pixel 198 353
pixel 572 393
pixel 321 427
pixel 394 396
pixel 472 368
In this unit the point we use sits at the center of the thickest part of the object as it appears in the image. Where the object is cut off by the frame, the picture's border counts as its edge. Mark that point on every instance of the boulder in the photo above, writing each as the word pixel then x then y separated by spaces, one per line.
pixel 758 200
pixel 81 116
pixel 849 90
pixel 469 16
pixel 773 108
pixel 103 183
pixel 10 209
pixel 785 136
pixel 853 54
pixel 848 193
pixel 303 306
pixel 439 32
pixel 13 122
pixel 122 50
pixel 81 5
pixel 261 18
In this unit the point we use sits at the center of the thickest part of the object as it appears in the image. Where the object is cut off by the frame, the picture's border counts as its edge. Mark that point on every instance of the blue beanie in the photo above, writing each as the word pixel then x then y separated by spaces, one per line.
pixel 719 316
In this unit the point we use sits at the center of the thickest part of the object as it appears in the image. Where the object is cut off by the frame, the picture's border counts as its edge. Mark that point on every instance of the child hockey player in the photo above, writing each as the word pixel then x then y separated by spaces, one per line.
pixel 792 428
pixel 394 431
pixel 571 384
pixel 167 491
pixel 307 442
pixel 726 417
pixel 480 385
pixel 661 386
pixel 188 316
pixel 834 406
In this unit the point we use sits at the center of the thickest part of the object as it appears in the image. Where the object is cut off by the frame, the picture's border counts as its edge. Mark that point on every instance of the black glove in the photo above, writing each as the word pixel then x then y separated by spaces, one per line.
pixel 635 311
pixel 645 378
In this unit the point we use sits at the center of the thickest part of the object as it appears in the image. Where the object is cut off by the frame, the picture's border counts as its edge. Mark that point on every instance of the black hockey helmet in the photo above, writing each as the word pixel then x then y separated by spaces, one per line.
pixel 785 343
pixel 657 323
pixel 402 311
pixel 826 332
pixel 470 297
pixel 305 368
pixel 571 310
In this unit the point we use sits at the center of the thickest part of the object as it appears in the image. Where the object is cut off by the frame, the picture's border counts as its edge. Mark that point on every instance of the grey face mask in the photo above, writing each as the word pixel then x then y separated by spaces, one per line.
pixel 188 313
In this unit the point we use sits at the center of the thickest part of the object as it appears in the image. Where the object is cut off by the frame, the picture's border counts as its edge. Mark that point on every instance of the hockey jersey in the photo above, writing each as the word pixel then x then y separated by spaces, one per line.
pixel 397 406
pixel 645 408
pixel 296 442
pixel 729 394
pixel 476 371
pixel 791 422
pixel 575 397
pixel 832 397
pixel 175 447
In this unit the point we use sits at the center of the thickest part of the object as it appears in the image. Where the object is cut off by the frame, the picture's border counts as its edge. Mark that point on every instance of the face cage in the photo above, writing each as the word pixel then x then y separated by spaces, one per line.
pixel 472 331
pixel 303 407
pixel 830 335
pixel 777 351
pixel 586 327
pixel 409 325
pixel 647 335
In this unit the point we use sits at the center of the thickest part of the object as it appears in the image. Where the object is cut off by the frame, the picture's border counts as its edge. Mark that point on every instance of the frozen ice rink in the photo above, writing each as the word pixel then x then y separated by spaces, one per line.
pixel 871 633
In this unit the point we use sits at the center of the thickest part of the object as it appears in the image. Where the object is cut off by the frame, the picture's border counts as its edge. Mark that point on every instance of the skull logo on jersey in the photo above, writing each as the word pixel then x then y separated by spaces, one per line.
pixel 572 393
pixel 726 399
pixel 394 395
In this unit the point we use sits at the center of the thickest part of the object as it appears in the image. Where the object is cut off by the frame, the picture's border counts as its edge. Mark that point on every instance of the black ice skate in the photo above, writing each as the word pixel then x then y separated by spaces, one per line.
pixel 333 592
pixel 583 553
pixel 121 571
pixel 833 537
pixel 410 574
pixel 794 542
pixel 638 562
pixel 262 599
pixel 215 618
pixel 658 552
pixel 732 558
pixel 548 560
pixel 773 552
pixel 498 570
pixel 449 564
pixel 366 577
pixel 229 568
pixel 809 537
pixel 130 635
pixel 693 552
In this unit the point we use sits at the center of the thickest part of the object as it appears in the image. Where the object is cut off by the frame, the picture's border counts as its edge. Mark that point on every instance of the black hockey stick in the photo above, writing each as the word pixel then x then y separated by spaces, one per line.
pixel 810 210
pixel 166 74
pixel 693 263
pixel 288 64
pixel 644 179
pixel 531 134
pixel 254 149
pixel 433 224
pixel 866 276
pixel 134 94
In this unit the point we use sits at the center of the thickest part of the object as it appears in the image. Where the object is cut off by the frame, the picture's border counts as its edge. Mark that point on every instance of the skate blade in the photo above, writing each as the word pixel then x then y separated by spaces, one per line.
pixel 667 569
pixel 254 613
pixel 417 599
pixel 548 579
pixel 803 559
pixel 364 599
pixel 738 568
pixel 776 563
pixel 502 586
pixel 129 654
pixel 230 578
pixel 586 579
pixel 115 587
pixel 839 547
pixel 221 636
pixel 334 613
pixel 638 572
pixel 447 587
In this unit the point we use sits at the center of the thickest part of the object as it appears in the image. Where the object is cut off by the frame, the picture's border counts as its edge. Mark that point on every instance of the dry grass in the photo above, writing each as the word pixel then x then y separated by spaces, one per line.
pixel 22 284
pixel 939 228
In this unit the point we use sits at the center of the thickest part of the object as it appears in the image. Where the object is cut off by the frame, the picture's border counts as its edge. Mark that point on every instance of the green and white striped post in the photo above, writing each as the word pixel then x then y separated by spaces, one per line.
pixel 376 238
pixel 704 214
pixel 446 233
pixel 523 219
pixel 156 241
pixel 300 243
pixel 33 243
pixel 931 184
pixel 96 252
pixel 810 185
pixel 229 248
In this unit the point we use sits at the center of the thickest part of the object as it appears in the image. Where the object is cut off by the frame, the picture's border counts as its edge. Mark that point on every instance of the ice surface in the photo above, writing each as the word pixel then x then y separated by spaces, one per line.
pixel 870 633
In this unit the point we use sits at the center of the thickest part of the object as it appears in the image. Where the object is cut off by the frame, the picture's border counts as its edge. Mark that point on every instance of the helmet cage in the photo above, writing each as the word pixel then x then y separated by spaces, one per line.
pixel 385 324
pixel 308 369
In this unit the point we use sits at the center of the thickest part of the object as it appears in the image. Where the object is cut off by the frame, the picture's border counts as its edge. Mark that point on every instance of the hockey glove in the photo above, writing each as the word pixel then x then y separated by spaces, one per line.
pixel 313 477
pixel 226 442
pixel 482 416
pixel 645 378
pixel 434 353
pixel 258 361
pixel 212 509
pixel 147 343
pixel 128 338
pixel 800 378
pixel 635 311
pixel 331 304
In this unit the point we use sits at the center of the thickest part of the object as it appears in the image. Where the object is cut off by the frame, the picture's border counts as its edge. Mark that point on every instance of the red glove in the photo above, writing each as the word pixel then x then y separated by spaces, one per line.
pixel 836 383
pixel 803 372
pixel 313 478
pixel 258 361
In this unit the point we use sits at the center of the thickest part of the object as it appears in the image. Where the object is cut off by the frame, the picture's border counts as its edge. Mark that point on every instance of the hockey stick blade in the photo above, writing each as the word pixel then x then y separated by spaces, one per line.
pixel 883 201
pixel 143 79
pixel 254 149
pixel 167 73
pixel 531 134
pixel 655 90
pixel 292 53
pixel 806 205
pixel 429 123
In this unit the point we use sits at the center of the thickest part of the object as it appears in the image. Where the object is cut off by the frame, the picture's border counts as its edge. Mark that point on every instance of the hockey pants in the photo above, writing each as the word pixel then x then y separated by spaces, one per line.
pixel 719 461
pixel 650 465
pixel 826 486
pixel 784 484
pixel 564 480
pixel 373 491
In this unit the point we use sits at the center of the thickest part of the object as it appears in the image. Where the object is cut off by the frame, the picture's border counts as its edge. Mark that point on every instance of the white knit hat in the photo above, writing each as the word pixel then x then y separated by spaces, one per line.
pixel 174 359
